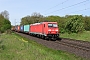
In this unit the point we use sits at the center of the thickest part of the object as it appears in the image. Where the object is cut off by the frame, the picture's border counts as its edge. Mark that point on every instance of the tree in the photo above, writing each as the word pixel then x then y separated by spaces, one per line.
pixel 86 23
pixel 1 20
pixel 34 18
pixel 5 14
pixel 5 24
pixel 75 24
pixel 25 20
pixel 37 17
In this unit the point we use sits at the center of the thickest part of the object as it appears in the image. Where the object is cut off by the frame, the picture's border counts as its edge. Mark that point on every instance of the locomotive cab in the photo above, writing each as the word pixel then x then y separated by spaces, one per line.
pixel 51 30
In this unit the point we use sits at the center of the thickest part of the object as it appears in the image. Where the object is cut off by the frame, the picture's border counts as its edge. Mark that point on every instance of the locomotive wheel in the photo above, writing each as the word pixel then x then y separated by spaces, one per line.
pixel 54 39
pixel 45 37
pixel 42 37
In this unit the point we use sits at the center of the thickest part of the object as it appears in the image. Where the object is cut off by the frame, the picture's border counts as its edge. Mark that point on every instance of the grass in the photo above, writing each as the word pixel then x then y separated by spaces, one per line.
pixel 84 36
pixel 15 47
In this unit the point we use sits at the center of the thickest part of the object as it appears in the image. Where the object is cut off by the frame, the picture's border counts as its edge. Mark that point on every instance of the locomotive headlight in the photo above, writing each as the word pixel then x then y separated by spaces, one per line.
pixel 56 30
pixel 49 30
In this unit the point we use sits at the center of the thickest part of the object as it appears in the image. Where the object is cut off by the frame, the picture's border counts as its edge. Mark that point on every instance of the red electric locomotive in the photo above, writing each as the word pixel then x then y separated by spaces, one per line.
pixel 46 30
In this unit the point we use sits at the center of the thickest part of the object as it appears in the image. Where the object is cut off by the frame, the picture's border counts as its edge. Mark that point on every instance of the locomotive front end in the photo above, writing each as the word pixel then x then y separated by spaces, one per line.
pixel 53 31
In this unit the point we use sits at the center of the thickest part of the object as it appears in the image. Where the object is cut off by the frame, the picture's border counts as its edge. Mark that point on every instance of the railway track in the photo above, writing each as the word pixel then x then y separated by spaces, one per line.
pixel 74 45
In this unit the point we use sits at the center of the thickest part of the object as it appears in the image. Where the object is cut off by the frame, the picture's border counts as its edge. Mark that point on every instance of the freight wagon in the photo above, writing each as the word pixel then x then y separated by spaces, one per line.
pixel 17 28
pixel 26 28
pixel 22 28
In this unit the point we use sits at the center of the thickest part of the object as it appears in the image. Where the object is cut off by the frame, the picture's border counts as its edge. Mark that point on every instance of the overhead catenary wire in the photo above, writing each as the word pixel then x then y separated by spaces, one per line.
pixel 56 5
pixel 68 6
pixel 80 10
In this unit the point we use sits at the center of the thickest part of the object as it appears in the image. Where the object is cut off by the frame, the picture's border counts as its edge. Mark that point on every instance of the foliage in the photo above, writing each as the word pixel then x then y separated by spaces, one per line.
pixel 5 24
pixel 34 18
pixel 5 14
pixel 75 25
pixel 86 23
pixel 25 20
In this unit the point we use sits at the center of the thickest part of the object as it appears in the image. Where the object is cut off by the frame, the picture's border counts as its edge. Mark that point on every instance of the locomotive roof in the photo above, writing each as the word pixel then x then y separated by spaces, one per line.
pixel 42 23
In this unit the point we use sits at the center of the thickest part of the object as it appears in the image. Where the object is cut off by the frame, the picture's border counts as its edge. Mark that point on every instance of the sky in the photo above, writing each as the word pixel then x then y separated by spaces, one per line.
pixel 21 8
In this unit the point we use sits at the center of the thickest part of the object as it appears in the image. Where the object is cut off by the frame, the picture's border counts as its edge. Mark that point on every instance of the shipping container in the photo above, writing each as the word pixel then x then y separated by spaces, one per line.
pixel 17 28
pixel 26 28
pixel 13 28
pixel 22 28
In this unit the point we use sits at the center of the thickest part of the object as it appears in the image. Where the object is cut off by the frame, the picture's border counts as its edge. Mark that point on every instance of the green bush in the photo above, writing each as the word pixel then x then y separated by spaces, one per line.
pixel 75 25
pixel 5 25
pixel 87 23
pixel 2 29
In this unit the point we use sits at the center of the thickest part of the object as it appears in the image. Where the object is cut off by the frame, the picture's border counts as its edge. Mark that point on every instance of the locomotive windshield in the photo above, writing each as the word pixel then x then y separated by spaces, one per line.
pixel 52 25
